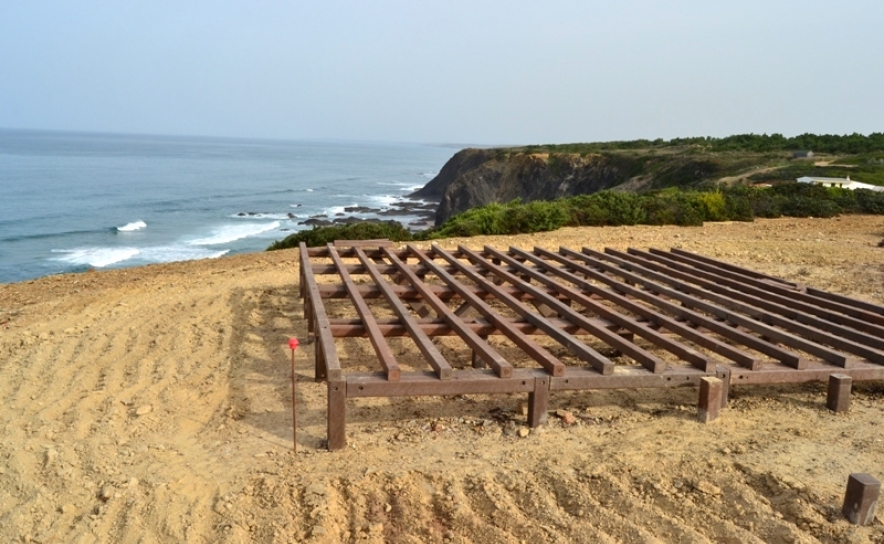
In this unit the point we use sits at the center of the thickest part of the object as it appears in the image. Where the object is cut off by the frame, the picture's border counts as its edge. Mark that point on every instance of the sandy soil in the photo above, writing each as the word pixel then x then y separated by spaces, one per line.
pixel 153 405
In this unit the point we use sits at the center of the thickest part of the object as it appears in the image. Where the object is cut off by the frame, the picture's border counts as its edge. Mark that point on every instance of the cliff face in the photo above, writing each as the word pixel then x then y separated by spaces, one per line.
pixel 476 177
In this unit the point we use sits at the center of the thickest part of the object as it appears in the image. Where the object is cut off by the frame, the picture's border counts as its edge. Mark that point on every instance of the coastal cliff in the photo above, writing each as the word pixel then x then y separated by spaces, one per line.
pixel 476 177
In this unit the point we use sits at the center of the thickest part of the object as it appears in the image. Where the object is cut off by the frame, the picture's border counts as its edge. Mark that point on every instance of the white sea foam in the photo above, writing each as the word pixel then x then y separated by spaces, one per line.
pixel 384 200
pixel 231 233
pixel 98 257
pixel 178 252
pixel 334 210
pixel 309 190
pixel 134 225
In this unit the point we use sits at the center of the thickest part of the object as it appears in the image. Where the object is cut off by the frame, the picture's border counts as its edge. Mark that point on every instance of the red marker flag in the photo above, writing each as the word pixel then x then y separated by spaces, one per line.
pixel 293 344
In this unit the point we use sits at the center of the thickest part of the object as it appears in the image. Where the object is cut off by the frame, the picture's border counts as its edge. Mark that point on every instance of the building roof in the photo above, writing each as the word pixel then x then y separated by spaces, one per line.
pixel 811 179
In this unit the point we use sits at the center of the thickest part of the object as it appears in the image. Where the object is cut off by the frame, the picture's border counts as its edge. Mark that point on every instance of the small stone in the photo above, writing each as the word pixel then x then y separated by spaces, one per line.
pixel 708 488
pixel 524 431
pixel 51 456
pixel 144 410
pixel 567 417
pixel 67 508
pixel 387 508
pixel 107 493
pixel 318 530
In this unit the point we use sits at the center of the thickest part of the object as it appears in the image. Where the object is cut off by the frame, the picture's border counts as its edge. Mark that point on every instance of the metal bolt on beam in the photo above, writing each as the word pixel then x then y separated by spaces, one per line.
pixel 861 498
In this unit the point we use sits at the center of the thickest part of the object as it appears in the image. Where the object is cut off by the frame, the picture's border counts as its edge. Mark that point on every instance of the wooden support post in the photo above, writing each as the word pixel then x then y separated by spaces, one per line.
pixel 710 399
pixel 724 374
pixel 538 403
pixel 861 498
pixel 838 399
pixel 337 415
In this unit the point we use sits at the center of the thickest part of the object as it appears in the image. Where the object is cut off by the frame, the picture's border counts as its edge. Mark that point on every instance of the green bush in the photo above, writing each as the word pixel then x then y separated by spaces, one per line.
pixel 801 206
pixel 319 236
pixel 868 201
pixel 620 208
pixel 536 216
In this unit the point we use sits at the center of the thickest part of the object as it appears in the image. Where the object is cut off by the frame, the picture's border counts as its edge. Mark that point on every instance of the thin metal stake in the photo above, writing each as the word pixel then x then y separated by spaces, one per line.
pixel 293 345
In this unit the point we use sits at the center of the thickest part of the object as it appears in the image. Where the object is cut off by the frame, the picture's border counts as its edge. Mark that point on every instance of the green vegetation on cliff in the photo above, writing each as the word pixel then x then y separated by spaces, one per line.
pixel 608 208
pixel 851 144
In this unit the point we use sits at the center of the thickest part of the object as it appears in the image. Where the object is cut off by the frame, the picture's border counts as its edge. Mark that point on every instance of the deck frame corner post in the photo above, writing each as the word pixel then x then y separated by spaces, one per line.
pixel 337 415
pixel 861 498
pixel 838 397
pixel 724 374
pixel 538 402
pixel 709 405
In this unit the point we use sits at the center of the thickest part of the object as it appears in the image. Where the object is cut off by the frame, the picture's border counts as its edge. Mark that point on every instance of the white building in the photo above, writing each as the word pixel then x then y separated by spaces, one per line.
pixel 845 183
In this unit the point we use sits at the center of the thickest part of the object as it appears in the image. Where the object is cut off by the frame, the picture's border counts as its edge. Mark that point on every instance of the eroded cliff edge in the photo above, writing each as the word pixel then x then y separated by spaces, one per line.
pixel 477 177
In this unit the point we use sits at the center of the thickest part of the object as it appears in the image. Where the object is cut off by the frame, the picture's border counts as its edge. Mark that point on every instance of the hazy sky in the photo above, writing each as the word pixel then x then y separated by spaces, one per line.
pixel 497 72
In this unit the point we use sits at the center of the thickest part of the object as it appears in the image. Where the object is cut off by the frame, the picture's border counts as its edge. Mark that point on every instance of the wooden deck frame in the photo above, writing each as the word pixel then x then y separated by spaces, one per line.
pixel 704 318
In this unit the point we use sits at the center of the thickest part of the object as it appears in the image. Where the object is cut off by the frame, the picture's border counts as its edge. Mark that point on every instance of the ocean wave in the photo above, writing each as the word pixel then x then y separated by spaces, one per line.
pixel 231 233
pixel 98 257
pixel 48 235
pixel 134 225
pixel 102 257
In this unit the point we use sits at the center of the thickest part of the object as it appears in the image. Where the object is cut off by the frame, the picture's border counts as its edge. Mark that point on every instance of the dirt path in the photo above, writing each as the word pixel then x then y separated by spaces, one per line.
pixel 153 405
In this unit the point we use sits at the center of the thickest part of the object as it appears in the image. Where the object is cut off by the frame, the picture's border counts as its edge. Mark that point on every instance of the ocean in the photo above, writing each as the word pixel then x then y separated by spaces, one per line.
pixel 70 202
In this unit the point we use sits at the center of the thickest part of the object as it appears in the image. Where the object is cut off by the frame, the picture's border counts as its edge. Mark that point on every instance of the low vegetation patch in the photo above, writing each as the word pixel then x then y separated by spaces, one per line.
pixel 608 208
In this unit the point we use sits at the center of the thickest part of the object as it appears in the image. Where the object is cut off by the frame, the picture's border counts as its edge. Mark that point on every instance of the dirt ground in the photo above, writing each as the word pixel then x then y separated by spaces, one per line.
pixel 153 405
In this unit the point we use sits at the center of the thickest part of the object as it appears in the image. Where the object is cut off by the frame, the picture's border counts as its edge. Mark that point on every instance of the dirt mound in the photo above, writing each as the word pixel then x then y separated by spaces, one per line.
pixel 153 405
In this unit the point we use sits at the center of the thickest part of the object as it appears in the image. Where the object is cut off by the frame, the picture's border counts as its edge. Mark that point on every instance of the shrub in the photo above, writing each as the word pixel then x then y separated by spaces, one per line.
pixel 620 208
pixel 536 216
pixel 319 236
pixel 868 201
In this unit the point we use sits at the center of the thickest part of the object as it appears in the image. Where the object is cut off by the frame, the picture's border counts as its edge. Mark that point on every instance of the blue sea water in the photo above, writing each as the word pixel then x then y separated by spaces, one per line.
pixel 74 201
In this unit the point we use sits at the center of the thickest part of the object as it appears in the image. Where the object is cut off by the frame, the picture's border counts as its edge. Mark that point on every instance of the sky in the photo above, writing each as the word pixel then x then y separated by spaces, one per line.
pixel 480 72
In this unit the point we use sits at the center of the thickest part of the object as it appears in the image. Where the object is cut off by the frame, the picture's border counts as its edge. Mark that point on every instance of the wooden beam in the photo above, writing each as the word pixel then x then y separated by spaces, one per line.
pixel 385 355
pixel 646 359
pixel 574 345
pixel 539 354
pixel 478 344
pixel 327 366
pixel 420 338
pixel 692 356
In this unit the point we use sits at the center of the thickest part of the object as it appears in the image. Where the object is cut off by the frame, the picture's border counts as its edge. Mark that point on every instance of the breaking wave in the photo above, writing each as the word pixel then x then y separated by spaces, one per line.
pixel 135 225
pixel 231 233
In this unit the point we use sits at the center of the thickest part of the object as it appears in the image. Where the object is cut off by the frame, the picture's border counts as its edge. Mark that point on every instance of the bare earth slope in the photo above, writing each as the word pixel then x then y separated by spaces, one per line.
pixel 153 405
